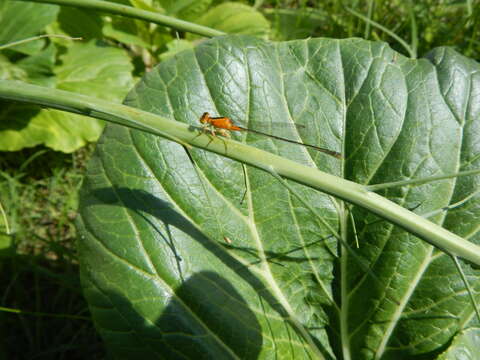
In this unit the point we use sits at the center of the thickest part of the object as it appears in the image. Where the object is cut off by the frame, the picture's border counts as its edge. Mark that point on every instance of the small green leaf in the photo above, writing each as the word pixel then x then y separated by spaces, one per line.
pixel 86 68
pixel 186 9
pixel 10 71
pixel 191 9
pixel 136 32
pixel 235 18
pixel 125 31
pixel 39 67
pixel 174 47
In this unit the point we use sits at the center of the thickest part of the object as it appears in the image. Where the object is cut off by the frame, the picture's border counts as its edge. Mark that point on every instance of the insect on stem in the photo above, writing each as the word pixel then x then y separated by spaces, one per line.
pixel 223 125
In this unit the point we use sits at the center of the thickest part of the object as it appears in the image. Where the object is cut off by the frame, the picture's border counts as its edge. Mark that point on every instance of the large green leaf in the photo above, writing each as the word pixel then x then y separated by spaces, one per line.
pixel 175 265
pixel 88 68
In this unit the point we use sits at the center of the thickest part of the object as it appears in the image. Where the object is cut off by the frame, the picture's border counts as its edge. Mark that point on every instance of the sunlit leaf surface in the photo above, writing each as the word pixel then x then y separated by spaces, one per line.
pixel 175 264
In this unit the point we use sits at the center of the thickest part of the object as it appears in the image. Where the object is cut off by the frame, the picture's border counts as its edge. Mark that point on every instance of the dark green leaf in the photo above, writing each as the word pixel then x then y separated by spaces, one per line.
pixel 82 23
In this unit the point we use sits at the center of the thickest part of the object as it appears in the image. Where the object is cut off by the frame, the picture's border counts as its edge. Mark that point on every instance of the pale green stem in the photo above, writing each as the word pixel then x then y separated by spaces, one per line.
pixel 128 11
pixel 469 8
pixel 19 42
pixel 451 206
pixel 354 227
pixel 346 190
pixel 413 25
pixel 5 220
pixel 467 285
pixel 429 179
pixel 258 4
pixel 369 16
pixel 344 295
pixel 35 313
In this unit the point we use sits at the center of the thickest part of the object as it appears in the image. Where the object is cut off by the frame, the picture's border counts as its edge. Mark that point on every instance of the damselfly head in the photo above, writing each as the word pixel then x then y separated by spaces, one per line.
pixel 205 117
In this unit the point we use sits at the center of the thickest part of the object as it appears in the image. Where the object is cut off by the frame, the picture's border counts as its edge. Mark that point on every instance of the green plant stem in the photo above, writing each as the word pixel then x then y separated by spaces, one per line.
pixel 369 16
pixel 346 190
pixel 19 42
pixel 5 220
pixel 467 285
pixel 128 11
pixel 258 4
pixel 414 28
pixel 376 187
pixel 35 313
pixel 412 53
pixel 451 206
pixel 469 8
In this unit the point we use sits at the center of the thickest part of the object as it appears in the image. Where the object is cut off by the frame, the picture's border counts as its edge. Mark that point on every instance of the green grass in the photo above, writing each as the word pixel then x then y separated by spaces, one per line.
pixel 423 25
pixel 39 270
pixel 39 187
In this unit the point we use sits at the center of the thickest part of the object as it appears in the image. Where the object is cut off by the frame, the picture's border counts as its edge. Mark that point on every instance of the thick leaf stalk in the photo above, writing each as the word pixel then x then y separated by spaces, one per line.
pixel 128 11
pixel 185 134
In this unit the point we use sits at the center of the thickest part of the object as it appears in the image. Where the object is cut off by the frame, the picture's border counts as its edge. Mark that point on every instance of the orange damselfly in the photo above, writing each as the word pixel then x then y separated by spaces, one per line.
pixel 223 125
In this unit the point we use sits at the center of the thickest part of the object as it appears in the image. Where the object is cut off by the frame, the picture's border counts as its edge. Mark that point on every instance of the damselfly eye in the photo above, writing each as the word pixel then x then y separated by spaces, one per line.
pixel 204 118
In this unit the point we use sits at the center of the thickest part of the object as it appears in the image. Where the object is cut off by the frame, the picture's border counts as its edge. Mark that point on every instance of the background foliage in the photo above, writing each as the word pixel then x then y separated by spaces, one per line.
pixel 38 187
